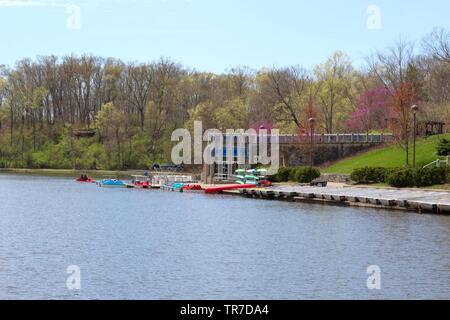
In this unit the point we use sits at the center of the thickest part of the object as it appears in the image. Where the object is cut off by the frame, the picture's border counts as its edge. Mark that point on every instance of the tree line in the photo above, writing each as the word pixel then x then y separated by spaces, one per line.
pixel 127 111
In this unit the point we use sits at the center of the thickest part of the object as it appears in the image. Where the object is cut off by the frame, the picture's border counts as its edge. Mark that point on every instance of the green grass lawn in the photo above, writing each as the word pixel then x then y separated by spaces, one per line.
pixel 445 187
pixel 441 187
pixel 389 157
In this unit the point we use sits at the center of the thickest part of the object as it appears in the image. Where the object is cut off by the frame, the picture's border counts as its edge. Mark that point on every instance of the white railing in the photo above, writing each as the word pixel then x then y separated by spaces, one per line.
pixel 338 138
pixel 159 180
pixel 335 138
pixel 438 163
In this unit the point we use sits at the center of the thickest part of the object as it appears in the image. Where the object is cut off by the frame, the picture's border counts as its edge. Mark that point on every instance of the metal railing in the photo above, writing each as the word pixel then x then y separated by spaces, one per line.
pixel 334 138
pixel 224 177
pixel 438 163
pixel 159 180
pixel 337 138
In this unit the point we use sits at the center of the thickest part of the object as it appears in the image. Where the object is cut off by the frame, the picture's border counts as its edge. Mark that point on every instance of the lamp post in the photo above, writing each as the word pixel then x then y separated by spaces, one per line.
pixel 414 110
pixel 312 122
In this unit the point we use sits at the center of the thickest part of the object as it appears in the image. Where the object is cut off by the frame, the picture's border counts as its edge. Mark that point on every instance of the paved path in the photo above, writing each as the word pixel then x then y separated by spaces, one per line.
pixel 417 200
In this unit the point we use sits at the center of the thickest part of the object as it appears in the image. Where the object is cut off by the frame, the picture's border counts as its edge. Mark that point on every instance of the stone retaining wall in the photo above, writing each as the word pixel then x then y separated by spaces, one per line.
pixel 337 178
pixel 298 155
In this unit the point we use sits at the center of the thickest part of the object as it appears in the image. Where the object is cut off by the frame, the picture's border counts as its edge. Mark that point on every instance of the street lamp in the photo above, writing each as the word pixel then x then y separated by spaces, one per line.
pixel 312 122
pixel 414 110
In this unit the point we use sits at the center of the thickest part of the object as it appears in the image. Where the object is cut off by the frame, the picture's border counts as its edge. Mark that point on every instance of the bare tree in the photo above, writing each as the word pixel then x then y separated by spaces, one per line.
pixel 437 44
pixel 138 85
pixel 241 81
pixel 395 70
pixel 290 88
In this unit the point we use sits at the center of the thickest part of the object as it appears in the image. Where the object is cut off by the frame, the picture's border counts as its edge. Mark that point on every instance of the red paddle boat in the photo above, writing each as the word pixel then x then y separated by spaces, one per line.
pixel 85 179
pixel 142 182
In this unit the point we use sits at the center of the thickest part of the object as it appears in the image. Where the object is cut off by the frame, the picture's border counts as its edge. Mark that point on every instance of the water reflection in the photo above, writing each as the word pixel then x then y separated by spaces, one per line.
pixel 137 244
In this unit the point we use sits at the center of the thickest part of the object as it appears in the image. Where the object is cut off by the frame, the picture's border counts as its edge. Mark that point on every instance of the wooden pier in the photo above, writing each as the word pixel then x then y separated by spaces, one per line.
pixel 435 202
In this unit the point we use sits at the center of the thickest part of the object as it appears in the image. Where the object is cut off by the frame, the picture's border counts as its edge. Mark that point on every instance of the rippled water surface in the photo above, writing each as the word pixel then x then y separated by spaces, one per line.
pixel 136 244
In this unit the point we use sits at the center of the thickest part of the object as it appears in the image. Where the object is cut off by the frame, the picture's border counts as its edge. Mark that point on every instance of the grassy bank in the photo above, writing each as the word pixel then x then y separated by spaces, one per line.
pixel 389 157
pixel 438 187
pixel 72 173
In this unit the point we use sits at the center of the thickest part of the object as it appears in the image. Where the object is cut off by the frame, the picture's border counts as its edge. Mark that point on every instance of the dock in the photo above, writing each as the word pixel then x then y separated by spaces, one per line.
pixel 422 201
pixel 159 181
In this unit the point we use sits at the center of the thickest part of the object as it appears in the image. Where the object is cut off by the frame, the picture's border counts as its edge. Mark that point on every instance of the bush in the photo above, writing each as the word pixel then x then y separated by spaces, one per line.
pixel 430 176
pixel 282 175
pixel 298 174
pixel 293 175
pixel 420 177
pixel 443 148
pixel 304 174
pixel 401 178
pixel 369 175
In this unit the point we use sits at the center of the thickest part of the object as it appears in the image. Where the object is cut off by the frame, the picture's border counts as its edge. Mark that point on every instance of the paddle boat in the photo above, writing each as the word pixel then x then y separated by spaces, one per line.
pixel 140 182
pixel 85 179
pixel 175 186
pixel 112 183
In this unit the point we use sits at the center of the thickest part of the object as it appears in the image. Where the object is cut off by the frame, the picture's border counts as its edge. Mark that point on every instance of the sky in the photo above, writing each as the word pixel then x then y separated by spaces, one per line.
pixel 214 35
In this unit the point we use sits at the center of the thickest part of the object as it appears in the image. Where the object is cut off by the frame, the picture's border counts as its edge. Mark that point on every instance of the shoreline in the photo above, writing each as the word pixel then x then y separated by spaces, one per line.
pixel 121 174
pixel 70 173
pixel 419 200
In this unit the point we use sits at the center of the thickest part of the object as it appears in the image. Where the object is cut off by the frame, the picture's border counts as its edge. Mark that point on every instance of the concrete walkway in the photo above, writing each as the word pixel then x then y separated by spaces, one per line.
pixel 437 202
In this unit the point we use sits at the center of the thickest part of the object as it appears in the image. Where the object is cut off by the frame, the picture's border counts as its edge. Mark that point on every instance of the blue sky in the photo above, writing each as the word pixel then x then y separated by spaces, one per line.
pixel 212 35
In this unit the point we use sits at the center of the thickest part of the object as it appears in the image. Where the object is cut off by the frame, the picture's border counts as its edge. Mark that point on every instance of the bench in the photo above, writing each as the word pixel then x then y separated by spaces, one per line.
pixel 319 183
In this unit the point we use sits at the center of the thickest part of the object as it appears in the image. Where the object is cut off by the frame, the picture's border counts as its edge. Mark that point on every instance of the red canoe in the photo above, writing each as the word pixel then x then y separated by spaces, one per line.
pixel 226 187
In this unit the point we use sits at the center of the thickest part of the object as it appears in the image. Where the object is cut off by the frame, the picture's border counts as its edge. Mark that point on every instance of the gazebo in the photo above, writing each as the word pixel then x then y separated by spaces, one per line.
pixel 430 128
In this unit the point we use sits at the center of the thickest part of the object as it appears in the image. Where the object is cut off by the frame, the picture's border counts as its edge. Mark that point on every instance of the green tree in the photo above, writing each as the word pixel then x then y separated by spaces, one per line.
pixel 335 95
pixel 233 115
pixel 111 124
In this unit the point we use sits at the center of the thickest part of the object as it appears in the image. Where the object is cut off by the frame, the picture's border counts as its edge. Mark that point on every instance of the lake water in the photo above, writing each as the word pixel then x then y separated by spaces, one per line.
pixel 138 244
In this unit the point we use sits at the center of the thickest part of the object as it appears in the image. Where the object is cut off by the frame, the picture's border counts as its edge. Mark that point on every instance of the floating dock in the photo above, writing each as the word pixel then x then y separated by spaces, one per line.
pixel 436 202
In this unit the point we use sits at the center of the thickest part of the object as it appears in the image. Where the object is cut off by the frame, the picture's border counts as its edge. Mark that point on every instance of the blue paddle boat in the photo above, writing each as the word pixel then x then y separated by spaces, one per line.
pixel 112 183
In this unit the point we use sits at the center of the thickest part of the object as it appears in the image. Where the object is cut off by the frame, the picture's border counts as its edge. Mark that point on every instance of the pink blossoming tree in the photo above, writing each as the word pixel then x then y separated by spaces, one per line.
pixel 372 111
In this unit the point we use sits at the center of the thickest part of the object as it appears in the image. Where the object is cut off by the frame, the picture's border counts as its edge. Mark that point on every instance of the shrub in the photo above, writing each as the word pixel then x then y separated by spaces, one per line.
pixel 304 174
pixel 369 175
pixel 401 178
pixel 420 177
pixel 282 175
pixel 429 176
pixel 443 148
pixel 293 175
pixel 298 174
